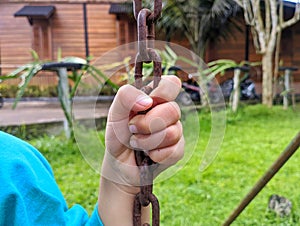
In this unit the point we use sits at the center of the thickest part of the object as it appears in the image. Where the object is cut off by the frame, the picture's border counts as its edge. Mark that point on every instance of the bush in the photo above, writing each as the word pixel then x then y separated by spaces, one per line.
pixel 10 91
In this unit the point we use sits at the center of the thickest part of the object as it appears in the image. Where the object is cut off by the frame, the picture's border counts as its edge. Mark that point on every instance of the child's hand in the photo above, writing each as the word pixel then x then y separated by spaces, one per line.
pixel 158 132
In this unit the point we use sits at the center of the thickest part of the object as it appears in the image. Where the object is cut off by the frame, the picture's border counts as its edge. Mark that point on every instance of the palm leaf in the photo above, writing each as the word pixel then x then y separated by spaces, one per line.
pixel 199 20
pixel 16 73
pixel 35 56
pixel 27 76
pixel 96 73
pixel 76 60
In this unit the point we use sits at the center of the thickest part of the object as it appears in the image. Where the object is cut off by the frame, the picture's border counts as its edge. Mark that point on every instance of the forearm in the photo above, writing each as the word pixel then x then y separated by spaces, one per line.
pixel 115 205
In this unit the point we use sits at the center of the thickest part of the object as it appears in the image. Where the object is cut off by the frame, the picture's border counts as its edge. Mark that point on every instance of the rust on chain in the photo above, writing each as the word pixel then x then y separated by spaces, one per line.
pixel 138 71
pixel 142 34
pixel 137 6
pixel 146 54
pixel 138 207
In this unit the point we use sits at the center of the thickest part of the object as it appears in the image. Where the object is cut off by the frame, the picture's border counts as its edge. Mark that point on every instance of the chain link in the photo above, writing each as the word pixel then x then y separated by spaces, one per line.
pixel 137 7
pixel 146 54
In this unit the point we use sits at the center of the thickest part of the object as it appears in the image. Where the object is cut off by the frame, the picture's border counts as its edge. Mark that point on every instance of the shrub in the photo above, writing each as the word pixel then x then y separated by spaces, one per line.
pixel 10 91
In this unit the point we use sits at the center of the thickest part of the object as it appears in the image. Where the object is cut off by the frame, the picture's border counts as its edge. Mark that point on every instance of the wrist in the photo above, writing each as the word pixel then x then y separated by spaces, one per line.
pixel 122 176
pixel 115 203
pixel 128 190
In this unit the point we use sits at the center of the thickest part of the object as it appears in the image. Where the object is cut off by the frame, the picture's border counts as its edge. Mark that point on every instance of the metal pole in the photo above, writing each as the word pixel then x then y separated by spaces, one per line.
pixel 247 43
pixel 86 34
pixel 283 158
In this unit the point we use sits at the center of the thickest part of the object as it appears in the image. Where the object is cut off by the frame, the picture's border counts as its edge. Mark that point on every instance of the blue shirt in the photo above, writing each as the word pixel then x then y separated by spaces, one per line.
pixel 29 194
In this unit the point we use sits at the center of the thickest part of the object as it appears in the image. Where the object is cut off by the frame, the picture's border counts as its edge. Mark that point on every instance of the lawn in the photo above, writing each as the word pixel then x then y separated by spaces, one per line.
pixel 253 139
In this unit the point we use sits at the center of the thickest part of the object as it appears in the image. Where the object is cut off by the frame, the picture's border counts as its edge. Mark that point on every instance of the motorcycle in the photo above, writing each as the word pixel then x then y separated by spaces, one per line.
pixel 192 92
pixel 247 89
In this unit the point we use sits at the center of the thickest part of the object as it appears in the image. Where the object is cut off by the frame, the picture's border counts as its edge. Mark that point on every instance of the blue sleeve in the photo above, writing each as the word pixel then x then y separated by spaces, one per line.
pixel 29 194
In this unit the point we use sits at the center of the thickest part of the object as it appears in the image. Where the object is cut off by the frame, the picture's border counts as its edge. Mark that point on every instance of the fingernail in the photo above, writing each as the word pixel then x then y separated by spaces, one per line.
pixel 144 100
pixel 132 129
pixel 133 143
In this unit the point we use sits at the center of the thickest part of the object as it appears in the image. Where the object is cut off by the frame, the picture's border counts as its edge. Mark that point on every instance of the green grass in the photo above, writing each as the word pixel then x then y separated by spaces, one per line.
pixel 254 138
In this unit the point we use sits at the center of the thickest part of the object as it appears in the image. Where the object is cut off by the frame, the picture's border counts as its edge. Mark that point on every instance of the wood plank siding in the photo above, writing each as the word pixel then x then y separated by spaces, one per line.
pixel 105 31
pixel 15 37
pixel 234 48
pixel 65 31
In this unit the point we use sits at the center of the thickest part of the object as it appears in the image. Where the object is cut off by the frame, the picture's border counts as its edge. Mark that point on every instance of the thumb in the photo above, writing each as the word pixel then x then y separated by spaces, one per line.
pixel 128 99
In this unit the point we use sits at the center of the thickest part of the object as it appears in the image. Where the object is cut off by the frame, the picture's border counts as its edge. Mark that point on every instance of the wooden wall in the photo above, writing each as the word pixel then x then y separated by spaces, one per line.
pixel 67 32
pixel 295 46
pixel 234 48
pixel 102 30
pixel 15 37
pixel 67 28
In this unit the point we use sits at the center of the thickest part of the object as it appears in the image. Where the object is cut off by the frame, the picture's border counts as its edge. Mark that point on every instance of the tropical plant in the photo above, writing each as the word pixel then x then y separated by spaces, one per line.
pixel 168 59
pixel 214 68
pixel 65 93
pixel 201 21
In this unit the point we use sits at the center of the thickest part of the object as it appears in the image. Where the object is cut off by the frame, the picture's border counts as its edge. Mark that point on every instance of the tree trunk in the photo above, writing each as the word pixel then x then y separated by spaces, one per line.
pixel 267 83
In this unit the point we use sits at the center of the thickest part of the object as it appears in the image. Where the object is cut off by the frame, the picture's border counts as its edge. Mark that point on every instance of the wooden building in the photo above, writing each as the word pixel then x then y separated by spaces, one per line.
pixel 92 27
pixel 78 28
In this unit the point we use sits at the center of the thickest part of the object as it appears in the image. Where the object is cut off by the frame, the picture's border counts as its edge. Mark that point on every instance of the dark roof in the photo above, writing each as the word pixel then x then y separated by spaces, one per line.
pixel 41 12
pixel 121 8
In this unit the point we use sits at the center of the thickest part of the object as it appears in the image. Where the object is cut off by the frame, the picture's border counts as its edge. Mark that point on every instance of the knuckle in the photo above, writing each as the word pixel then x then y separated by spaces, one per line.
pixel 178 152
pixel 174 133
pixel 140 123
pixel 123 89
pixel 174 110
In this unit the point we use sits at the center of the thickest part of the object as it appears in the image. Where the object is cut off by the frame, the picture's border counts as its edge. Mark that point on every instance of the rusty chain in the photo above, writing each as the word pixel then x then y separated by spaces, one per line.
pixel 146 54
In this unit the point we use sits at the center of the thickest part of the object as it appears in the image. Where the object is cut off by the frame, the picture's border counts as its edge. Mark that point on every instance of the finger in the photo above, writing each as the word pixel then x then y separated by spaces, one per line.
pixel 117 137
pixel 128 99
pixel 157 119
pixel 161 139
pixel 170 155
pixel 167 90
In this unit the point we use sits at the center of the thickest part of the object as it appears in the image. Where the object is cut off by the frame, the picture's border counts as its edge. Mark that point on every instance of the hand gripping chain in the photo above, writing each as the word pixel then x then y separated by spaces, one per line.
pixel 146 54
